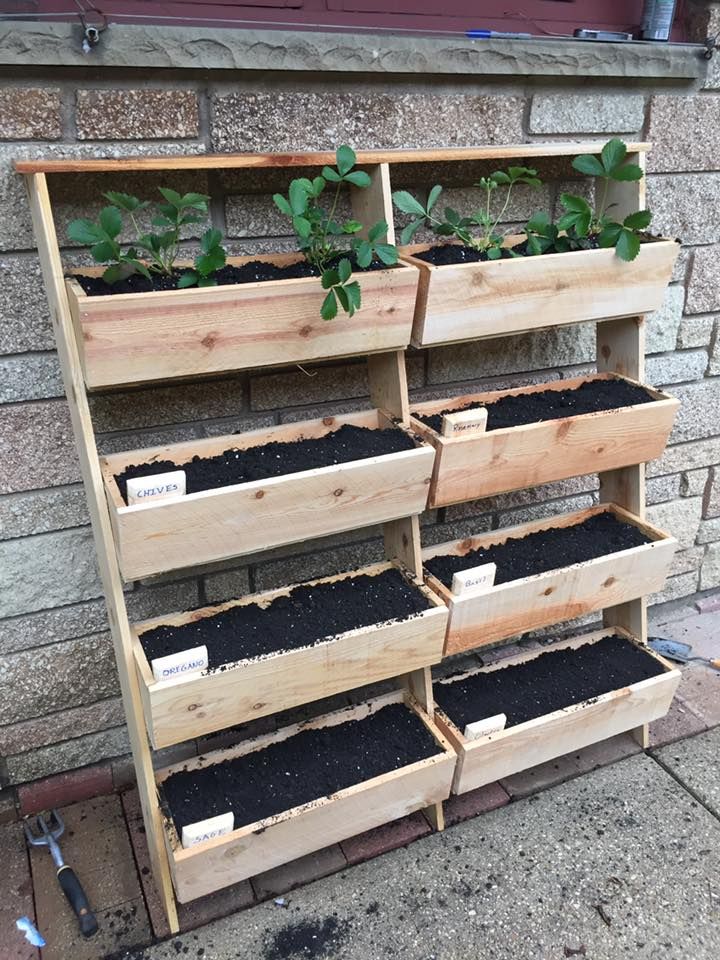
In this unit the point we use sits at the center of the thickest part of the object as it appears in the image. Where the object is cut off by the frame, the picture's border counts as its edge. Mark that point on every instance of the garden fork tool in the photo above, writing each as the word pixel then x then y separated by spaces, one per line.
pixel 49 832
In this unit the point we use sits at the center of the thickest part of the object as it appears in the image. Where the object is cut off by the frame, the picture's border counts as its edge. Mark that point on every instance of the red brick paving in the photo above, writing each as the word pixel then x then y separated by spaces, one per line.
pixel 65 788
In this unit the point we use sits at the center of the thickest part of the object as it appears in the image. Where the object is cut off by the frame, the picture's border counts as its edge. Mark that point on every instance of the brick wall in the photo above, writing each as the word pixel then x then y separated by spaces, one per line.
pixel 60 708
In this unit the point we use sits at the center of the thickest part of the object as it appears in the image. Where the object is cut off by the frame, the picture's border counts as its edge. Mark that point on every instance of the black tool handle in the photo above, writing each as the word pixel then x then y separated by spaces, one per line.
pixel 72 888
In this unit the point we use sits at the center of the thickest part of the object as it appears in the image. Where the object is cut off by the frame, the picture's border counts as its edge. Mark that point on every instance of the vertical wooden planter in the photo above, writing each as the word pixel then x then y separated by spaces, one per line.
pixel 495 298
pixel 257 847
pixel 193 705
pixel 496 755
pixel 248 517
pixel 137 337
pixel 479 463
pixel 511 609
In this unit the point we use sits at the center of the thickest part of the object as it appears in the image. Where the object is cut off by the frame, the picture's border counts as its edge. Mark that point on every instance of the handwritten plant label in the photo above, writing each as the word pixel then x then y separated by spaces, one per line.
pixel 178 664
pixel 465 421
pixel 474 579
pixel 481 728
pixel 158 487
pixel 203 830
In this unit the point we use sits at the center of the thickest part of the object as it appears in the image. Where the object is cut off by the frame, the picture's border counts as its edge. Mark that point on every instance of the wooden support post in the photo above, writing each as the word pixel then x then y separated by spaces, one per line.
pixel 388 384
pixel 374 203
pixel 621 349
pixel 43 222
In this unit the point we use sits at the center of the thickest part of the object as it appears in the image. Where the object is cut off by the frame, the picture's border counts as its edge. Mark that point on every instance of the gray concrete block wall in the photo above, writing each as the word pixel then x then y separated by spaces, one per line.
pixel 59 707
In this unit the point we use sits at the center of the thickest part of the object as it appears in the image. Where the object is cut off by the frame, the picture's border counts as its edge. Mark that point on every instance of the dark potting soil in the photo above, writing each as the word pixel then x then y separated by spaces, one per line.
pixel 518 557
pixel 444 254
pixel 551 681
pixel 306 767
pixel 520 408
pixel 251 272
pixel 275 459
pixel 305 617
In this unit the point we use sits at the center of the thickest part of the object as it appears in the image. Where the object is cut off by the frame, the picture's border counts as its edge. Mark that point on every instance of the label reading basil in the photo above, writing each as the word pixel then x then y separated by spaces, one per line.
pixel 475 579
pixel 481 728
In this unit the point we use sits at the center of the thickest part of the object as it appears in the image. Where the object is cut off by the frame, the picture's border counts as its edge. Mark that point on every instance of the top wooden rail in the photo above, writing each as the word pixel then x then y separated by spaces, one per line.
pixel 234 161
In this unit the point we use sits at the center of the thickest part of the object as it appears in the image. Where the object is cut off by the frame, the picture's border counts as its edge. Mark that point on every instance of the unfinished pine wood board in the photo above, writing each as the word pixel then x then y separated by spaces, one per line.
pixel 526 745
pixel 230 161
pixel 194 705
pixel 510 609
pixel 478 464
pixel 244 518
pixel 468 301
pixel 260 846
pixel 130 338
pixel 46 239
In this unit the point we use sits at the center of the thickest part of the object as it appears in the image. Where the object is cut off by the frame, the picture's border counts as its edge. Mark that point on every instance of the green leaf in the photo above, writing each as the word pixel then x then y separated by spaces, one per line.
pixel 407 203
pixel 377 231
pixel 162 222
pixel 628 172
pixel 207 282
pixel 282 204
pixel 341 294
pixel 363 254
pixel 452 216
pixel 352 226
pixel 494 253
pixel 329 278
pixel 302 226
pixel 332 175
pixel 328 310
pixel 104 251
pixel 172 197
pixel 140 267
pixel 533 246
pixel 500 177
pixel 521 173
pixel 211 238
pixel 125 201
pixel 538 223
pixel 433 196
pixel 345 159
pixel 639 220
pixel 111 221
pixel 358 178
pixel 198 201
pixel 387 253
pixel 298 196
pixel 575 204
pixel 628 245
pixel 344 269
pixel 410 230
pixel 117 272
pixel 613 154
pixel 188 279
pixel 318 186
pixel 353 292
pixel 84 232
pixel 589 165
pixel 208 263
pixel 610 235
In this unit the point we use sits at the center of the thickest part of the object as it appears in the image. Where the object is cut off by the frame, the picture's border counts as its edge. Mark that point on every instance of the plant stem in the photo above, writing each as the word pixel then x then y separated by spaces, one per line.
pixel 601 208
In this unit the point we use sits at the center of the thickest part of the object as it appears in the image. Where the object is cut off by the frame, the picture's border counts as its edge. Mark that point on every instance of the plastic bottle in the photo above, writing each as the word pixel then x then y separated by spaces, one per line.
pixel 657 19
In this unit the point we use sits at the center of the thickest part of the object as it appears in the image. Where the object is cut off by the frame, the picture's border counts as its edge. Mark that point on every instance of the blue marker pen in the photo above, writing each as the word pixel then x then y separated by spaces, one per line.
pixel 496 35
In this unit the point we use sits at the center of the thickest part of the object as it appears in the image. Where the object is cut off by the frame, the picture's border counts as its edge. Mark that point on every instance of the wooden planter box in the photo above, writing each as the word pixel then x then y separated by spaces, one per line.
pixel 468 301
pixel 243 518
pixel 526 745
pixel 135 337
pixel 193 705
pixel 257 847
pixel 510 609
pixel 477 463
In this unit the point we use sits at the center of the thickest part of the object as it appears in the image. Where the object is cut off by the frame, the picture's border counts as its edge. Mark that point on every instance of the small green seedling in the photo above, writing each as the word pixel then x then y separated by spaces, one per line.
pixel 479 231
pixel 152 253
pixel 580 221
pixel 326 242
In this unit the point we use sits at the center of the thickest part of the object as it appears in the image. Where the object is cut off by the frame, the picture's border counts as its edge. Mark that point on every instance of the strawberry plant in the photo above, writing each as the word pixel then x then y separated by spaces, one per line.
pixel 581 221
pixel 151 253
pixel 328 244
pixel 479 230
